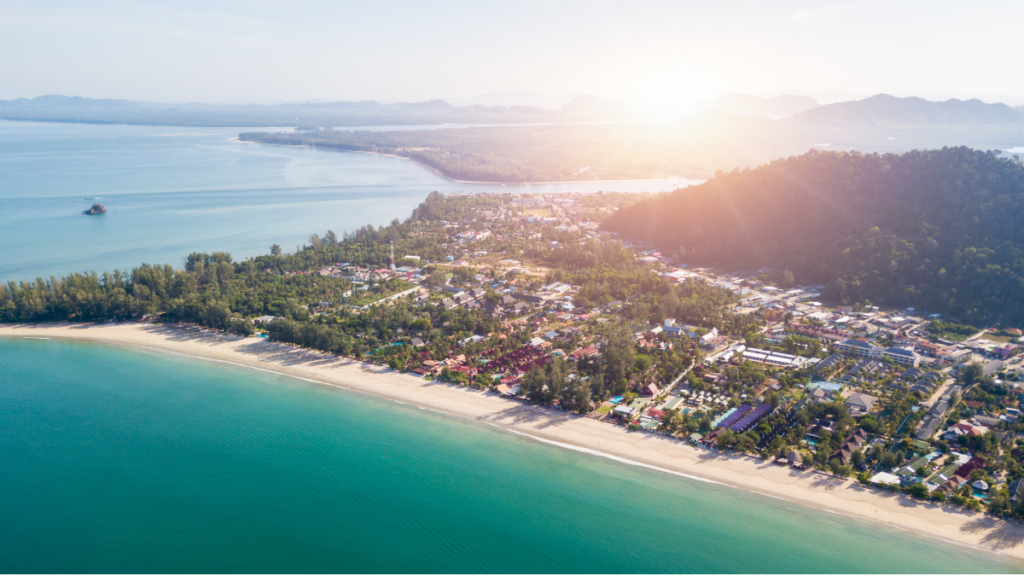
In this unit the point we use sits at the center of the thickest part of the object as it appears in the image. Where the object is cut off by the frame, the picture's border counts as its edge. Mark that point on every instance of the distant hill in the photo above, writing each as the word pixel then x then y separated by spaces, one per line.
pixel 693 147
pixel 509 99
pixel 936 229
pixel 889 111
pixel 772 107
pixel 76 109
pixel 592 106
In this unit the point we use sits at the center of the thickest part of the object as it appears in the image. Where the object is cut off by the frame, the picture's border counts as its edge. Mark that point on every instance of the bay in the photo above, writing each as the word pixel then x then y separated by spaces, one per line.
pixel 118 460
pixel 175 190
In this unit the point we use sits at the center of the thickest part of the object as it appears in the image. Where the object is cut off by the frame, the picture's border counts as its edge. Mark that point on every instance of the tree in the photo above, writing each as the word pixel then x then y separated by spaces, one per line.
pixel 746 442
pixel 971 373
pixel 857 458
pixel 918 490
pixel 998 502
pixel 726 439
pixel 275 250
pixel 534 385
pixel 787 278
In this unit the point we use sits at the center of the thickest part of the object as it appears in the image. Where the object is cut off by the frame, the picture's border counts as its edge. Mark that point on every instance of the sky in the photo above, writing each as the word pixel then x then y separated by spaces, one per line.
pixel 654 55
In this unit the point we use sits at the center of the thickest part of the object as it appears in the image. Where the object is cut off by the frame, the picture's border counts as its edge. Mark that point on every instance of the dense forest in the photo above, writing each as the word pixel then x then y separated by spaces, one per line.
pixel 936 229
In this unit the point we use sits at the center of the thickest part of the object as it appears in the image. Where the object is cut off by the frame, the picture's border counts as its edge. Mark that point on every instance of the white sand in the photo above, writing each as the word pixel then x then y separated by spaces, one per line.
pixel 809 488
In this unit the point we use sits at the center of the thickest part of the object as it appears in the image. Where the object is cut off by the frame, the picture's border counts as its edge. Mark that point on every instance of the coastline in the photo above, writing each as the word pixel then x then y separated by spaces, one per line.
pixel 668 455
pixel 450 179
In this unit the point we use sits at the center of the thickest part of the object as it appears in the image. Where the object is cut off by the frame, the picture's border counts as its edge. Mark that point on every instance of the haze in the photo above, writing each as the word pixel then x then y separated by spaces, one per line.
pixel 655 55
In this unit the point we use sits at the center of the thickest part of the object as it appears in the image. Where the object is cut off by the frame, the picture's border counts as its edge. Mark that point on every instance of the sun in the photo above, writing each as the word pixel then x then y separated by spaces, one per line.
pixel 664 96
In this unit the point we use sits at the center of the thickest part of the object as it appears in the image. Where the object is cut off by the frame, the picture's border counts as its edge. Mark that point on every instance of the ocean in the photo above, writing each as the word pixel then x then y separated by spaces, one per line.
pixel 118 460
pixel 171 191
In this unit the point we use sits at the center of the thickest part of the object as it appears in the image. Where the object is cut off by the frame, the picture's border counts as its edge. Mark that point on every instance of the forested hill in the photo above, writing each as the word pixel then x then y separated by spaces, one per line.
pixel 936 229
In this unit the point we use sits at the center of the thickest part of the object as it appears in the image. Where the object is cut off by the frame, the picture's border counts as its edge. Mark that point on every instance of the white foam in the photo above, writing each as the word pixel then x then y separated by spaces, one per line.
pixel 600 454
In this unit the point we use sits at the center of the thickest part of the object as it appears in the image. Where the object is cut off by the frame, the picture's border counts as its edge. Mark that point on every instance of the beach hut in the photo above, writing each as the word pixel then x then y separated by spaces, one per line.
pixel 795 458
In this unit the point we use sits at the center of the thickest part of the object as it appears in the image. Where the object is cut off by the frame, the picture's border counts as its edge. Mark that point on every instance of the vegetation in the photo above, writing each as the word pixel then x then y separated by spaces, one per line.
pixel 934 229
pixel 951 330
pixel 694 148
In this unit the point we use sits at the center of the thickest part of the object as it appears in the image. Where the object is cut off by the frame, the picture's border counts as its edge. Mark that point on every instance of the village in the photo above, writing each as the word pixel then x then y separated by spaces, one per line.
pixel 900 399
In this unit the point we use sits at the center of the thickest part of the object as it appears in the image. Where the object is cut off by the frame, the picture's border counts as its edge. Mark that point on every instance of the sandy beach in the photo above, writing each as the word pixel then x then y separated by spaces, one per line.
pixel 820 491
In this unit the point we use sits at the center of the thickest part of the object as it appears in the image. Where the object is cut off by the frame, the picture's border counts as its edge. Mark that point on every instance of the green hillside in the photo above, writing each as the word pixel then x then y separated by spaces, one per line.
pixel 935 229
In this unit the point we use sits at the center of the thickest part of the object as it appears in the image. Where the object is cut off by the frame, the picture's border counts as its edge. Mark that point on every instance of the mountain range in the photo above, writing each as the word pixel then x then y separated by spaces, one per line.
pixel 795 113
pixel 883 110
pixel 368 112
pixel 772 107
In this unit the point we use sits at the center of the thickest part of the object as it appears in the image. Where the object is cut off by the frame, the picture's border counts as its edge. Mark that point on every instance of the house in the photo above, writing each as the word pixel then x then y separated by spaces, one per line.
pixel 583 353
pixel 987 420
pixel 1016 489
pixel 852 443
pixel 885 478
pixel 830 363
pixel 506 390
pixel 1006 350
pixel 860 403
pixel 817 426
pixel 864 349
pixel 953 433
pixel 709 336
pixel 825 335
pixel 417 343
pixel 528 298
pixel 859 348
pixel 973 464
pixel 819 395
pixel 901 356
pixel 795 458
pixel 992 367
pixel 921 387
pixel 912 374
pixel 623 411
pixel 951 484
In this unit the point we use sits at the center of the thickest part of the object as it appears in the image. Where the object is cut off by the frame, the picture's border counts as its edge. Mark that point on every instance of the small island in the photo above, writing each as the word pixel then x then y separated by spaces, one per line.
pixel 96 209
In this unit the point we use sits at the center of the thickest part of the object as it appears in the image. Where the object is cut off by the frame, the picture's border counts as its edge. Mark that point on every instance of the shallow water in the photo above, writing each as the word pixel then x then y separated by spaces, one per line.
pixel 118 460
pixel 174 190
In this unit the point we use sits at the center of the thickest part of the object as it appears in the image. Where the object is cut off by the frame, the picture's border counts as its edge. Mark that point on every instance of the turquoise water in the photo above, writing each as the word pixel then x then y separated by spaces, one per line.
pixel 175 190
pixel 116 460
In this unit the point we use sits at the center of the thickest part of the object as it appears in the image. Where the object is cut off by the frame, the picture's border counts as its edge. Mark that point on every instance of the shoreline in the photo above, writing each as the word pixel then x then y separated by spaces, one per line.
pixel 668 455
pixel 450 179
